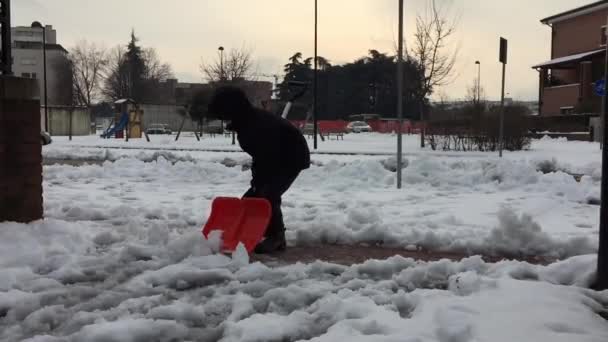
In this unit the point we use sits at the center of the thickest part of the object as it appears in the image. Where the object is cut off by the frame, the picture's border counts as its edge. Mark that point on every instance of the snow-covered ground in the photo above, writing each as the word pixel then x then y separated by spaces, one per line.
pixel 120 256
pixel 450 201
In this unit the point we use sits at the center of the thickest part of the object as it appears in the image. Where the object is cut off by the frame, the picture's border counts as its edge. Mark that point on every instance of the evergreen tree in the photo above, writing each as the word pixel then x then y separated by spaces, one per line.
pixel 136 67
pixel 367 85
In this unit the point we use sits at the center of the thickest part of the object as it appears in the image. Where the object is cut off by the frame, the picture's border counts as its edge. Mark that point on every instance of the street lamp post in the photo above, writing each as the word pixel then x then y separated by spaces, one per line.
pixel 478 81
pixel 37 24
pixel 221 49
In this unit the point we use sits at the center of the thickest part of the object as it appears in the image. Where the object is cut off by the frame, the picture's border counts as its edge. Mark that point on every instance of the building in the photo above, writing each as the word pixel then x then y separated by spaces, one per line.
pixel 173 92
pixel 28 62
pixel 577 61
pixel 172 96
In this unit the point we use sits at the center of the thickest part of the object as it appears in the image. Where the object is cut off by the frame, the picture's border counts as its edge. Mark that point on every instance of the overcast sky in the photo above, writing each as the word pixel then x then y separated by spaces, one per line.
pixel 184 31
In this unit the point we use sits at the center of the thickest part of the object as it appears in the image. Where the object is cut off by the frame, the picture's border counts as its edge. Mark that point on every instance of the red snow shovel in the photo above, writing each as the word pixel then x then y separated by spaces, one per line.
pixel 240 220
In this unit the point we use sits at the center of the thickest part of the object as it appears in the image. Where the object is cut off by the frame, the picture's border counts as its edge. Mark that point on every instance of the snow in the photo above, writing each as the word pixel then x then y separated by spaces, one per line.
pixel 120 256
pixel 527 203
pixel 390 300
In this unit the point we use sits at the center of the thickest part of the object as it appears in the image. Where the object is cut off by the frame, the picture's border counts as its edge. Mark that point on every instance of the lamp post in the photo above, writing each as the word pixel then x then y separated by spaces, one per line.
pixel 37 24
pixel 478 81
pixel 222 79
pixel 221 49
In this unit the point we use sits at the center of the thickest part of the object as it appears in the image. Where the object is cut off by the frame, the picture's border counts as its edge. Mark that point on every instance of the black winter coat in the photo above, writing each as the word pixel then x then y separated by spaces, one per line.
pixel 276 146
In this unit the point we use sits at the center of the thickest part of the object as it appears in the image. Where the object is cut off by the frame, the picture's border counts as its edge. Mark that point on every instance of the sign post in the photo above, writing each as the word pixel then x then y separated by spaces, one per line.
pixel 400 97
pixel 503 60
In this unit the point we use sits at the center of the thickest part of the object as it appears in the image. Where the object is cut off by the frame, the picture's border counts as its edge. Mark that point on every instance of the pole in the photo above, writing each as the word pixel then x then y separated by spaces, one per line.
pixel 479 82
pixel 502 58
pixel 400 96
pixel 602 256
pixel 502 113
pixel 221 48
pixel 46 104
pixel 315 79
pixel 71 116
pixel 6 62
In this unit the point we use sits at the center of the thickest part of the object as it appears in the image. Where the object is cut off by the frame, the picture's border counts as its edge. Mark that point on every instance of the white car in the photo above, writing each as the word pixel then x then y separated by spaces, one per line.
pixel 358 127
pixel 45 138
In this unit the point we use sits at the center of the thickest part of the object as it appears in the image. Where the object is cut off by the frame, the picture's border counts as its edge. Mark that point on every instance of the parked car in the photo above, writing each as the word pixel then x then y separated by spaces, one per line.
pixel 358 127
pixel 158 129
pixel 45 138
pixel 214 127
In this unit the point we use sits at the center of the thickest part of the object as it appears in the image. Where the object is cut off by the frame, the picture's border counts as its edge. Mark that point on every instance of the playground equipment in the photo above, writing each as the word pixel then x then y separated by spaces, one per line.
pixel 128 118
pixel 239 220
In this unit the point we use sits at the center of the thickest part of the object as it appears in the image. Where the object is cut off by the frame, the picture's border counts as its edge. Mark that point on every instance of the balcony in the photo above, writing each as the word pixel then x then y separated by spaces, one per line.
pixel 569 99
pixel 561 99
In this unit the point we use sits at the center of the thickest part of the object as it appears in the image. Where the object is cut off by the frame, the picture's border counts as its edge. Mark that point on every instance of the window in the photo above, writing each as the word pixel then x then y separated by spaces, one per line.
pixel 603 37
pixel 27 33
pixel 34 75
pixel 28 61
pixel 26 74
pixel 566 110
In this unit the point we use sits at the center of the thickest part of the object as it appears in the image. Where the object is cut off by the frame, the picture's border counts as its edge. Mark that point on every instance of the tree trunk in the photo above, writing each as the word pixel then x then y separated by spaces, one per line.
pixel 422 124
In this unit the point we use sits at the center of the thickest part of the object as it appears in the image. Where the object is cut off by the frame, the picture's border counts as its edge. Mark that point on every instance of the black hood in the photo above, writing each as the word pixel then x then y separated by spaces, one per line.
pixel 229 103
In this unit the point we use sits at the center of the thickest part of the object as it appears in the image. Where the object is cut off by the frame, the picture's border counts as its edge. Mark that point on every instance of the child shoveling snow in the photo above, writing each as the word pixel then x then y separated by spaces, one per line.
pixel 278 149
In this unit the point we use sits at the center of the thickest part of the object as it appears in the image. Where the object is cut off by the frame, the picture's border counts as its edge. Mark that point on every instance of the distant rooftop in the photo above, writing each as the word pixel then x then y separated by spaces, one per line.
pixel 592 7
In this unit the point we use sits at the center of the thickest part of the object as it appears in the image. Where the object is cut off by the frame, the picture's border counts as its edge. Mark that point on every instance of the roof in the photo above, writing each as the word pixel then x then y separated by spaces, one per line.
pixel 567 59
pixel 592 7
pixel 121 101
pixel 37 46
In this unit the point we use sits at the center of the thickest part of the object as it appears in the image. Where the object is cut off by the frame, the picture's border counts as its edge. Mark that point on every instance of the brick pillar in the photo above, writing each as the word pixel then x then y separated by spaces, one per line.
pixel 20 150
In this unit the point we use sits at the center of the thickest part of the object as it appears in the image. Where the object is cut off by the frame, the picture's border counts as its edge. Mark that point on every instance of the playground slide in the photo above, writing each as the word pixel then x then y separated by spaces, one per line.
pixel 122 124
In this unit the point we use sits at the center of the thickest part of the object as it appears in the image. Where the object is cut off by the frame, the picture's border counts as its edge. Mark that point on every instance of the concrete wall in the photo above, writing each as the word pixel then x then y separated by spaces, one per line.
pixel 59 120
pixel 27 62
pixel 578 34
pixel 167 115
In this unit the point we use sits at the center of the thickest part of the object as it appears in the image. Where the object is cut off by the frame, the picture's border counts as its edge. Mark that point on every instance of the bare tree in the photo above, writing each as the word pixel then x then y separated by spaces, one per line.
pixel 155 70
pixel 475 93
pixel 236 64
pixel 116 75
pixel 435 29
pixel 88 62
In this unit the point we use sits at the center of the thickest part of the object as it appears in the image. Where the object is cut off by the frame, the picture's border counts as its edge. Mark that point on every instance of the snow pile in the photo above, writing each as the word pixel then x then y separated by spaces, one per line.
pixel 446 204
pixel 522 236
pixel 209 297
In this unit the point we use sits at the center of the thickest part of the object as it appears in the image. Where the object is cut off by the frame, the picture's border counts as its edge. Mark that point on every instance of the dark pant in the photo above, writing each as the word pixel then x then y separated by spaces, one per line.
pixel 272 190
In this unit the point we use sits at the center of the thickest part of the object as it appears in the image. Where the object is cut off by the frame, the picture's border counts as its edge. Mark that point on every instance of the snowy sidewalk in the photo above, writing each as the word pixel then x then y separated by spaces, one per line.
pixel 349 255
pixel 60 282
pixel 120 256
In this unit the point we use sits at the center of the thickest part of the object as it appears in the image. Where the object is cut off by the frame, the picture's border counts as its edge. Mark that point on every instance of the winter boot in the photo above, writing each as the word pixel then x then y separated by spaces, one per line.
pixel 272 244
